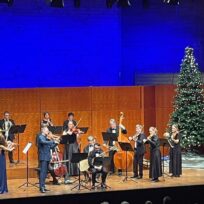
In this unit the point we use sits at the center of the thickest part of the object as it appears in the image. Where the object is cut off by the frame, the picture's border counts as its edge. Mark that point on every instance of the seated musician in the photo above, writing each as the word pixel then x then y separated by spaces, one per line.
pixel 87 149
pixel 96 166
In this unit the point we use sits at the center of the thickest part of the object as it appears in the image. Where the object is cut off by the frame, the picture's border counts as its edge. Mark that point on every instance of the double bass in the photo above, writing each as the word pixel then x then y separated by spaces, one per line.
pixel 120 155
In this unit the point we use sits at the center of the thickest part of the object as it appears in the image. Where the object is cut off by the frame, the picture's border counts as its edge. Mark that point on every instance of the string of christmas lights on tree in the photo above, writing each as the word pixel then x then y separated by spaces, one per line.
pixel 189 103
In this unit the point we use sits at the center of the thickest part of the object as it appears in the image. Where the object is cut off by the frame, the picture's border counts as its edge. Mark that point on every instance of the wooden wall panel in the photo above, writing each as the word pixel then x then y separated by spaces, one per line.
pixel 95 105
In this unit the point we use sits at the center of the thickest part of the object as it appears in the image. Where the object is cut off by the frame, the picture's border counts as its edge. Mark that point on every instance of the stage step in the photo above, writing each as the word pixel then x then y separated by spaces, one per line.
pixel 19 171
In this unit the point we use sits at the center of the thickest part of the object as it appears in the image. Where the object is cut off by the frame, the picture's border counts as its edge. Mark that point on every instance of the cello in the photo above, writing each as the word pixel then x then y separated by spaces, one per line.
pixel 120 156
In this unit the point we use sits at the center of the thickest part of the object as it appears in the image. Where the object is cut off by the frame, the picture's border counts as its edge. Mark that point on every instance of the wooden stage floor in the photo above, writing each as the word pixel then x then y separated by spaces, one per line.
pixel 190 177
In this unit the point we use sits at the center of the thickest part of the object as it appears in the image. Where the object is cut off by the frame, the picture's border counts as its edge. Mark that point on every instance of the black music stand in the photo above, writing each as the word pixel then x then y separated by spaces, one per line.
pixel 76 158
pixel 17 129
pixel 125 146
pixel 163 143
pixel 83 129
pixel 55 129
pixel 25 151
pixel 109 137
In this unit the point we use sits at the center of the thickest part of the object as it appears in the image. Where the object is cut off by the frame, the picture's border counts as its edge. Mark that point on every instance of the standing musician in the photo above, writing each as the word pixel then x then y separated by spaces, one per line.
pixel 97 166
pixel 155 170
pixel 4 146
pixel 70 118
pixel 44 147
pixel 46 120
pixel 139 150
pixel 5 124
pixel 70 148
pixel 175 163
pixel 114 128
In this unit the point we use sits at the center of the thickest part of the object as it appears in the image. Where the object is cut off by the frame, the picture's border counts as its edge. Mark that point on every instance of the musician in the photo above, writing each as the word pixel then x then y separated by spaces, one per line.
pixel 87 149
pixel 97 166
pixel 46 120
pixel 155 170
pixel 5 124
pixel 69 148
pixel 70 118
pixel 114 128
pixel 139 150
pixel 3 177
pixel 44 147
pixel 175 163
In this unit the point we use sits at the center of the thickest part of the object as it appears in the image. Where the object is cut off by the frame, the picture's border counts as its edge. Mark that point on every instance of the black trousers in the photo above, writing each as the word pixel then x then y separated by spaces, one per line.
pixel 103 172
pixel 138 162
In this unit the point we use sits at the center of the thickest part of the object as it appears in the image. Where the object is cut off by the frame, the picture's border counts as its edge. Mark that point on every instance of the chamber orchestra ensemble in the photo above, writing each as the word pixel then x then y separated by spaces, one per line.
pixel 103 159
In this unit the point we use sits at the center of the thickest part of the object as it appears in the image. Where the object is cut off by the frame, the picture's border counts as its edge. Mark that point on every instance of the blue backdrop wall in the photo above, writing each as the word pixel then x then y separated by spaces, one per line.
pixel 92 45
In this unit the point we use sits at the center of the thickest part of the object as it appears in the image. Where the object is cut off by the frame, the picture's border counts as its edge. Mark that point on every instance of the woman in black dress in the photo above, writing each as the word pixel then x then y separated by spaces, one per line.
pixel 175 163
pixel 3 147
pixel 155 170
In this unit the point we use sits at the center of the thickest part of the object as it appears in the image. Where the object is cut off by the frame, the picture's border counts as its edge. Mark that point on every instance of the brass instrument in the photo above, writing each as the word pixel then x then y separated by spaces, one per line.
pixel 6 128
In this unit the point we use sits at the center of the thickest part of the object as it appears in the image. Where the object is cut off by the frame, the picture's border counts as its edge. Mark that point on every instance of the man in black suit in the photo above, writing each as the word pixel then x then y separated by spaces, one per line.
pixel 70 118
pixel 139 150
pixel 44 147
pixel 5 124
pixel 97 166
pixel 114 128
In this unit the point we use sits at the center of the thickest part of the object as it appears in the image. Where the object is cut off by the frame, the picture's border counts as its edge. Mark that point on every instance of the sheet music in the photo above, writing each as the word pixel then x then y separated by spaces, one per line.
pixel 27 147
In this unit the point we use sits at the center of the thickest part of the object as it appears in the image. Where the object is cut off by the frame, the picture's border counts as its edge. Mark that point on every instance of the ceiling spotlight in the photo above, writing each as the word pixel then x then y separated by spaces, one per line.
pixel 9 2
pixel 77 3
pixel 172 2
pixel 57 3
pixel 109 3
pixel 123 3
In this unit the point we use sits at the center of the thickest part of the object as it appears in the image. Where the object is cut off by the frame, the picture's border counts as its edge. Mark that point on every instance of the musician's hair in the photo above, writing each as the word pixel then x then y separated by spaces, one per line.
pixel 90 138
pixel 154 129
pixel 46 113
pixel 70 114
pixel 6 112
pixel 97 144
pixel 2 140
pixel 112 121
pixel 176 126
pixel 140 126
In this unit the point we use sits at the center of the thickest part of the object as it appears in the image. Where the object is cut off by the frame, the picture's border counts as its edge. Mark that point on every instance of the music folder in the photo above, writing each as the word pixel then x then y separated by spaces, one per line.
pixel 55 129
pixel 109 136
pixel 125 146
pixel 83 129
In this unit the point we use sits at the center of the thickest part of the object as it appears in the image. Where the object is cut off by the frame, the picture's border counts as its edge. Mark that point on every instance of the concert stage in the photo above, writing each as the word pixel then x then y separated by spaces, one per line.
pixel 188 188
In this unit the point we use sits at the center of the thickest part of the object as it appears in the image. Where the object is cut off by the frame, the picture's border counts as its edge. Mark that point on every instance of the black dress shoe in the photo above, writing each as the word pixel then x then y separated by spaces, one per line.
pixel 42 190
pixel 46 189
pixel 155 180
pixel 139 177
pixel 103 185
pixel 134 176
pixel 55 183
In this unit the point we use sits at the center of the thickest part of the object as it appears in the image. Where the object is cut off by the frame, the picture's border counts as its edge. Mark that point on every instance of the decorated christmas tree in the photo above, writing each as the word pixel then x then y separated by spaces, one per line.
pixel 189 103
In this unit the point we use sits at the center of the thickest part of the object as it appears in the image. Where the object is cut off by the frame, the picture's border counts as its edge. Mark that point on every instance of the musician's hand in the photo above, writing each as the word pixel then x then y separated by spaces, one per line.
pixel 144 140
pixel 11 149
pixel 122 126
pixel 130 138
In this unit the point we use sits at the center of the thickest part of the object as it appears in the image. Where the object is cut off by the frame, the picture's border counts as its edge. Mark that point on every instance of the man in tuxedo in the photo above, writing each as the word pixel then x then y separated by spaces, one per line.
pixel 114 128
pixel 5 124
pixel 97 166
pixel 139 150
pixel 44 147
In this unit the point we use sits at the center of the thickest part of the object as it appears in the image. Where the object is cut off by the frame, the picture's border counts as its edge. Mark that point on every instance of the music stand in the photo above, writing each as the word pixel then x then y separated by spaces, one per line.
pixel 163 143
pixel 17 129
pixel 25 151
pixel 83 129
pixel 55 129
pixel 125 146
pixel 76 158
pixel 109 137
